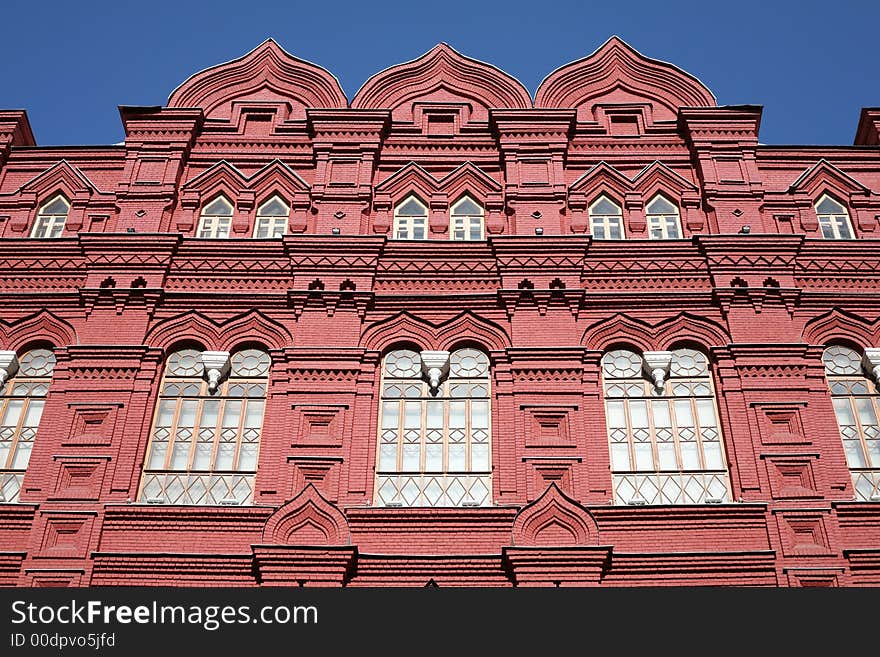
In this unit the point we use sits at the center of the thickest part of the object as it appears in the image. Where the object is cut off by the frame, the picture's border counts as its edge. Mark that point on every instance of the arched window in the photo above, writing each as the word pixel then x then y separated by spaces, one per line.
pixel 272 218
pixel 216 218
pixel 434 435
pixel 665 439
pixel 21 407
pixel 51 218
pixel 856 402
pixel 833 219
pixel 411 220
pixel 204 444
pixel 663 220
pixel 467 221
pixel 606 220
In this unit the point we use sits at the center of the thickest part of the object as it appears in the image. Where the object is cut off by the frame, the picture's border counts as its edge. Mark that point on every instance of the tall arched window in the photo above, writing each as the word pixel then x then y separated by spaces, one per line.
pixel 411 220
pixel 21 407
pixel 833 219
pixel 51 218
pixel 606 220
pixel 466 222
pixel 272 218
pixel 204 444
pixel 856 402
pixel 663 220
pixel 665 439
pixel 434 434
pixel 216 219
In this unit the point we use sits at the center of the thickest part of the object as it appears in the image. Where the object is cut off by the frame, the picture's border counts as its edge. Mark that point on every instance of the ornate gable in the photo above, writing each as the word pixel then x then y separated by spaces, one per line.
pixel 442 75
pixel 617 73
pixel 266 74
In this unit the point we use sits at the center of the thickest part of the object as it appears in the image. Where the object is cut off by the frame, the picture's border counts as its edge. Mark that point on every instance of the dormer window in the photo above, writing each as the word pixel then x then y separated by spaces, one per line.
pixel 663 219
pixel 833 219
pixel 411 220
pixel 51 218
pixel 272 218
pixel 466 221
pixel 216 219
pixel 606 220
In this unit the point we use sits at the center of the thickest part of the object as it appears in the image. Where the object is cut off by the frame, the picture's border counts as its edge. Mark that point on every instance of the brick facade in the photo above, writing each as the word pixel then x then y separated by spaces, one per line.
pixel 128 281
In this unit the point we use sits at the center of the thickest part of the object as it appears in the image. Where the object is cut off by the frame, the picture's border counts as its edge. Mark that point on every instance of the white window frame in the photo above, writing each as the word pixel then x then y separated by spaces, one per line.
pixel 659 221
pixel 50 226
pixel 215 226
pixel 405 225
pixel 273 225
pixel 833 222
pixel 463 224
pixel 607 221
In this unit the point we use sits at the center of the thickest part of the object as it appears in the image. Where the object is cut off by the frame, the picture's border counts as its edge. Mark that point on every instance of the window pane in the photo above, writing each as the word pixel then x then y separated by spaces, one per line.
pixel 620 456
pixel 412 415
pixel 457 414
pixel 829 206
pixel 22 455
pixel 644 457
pixel 844 411
pixel 604 206
pixel 479 414
pixel 219 206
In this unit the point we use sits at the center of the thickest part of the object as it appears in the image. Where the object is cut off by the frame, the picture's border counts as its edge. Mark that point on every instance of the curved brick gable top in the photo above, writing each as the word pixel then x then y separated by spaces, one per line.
pixel 442 75
pixel 307 519
pixel 618 74
pixel 554 519
pixel 267 74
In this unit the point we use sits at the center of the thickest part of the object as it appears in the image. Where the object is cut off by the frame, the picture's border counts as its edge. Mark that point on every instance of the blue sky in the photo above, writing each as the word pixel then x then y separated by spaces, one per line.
pixel 813 65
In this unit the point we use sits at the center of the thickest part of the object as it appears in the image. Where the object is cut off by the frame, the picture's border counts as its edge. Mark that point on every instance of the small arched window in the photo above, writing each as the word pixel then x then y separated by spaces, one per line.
pixel 434 442
pixel 856 402
pixel 411 220
pixel 216 219
pixel 665 441
pixel 204 444
pixel 21 407
pixel 467 221
pixel 51 218
pixel 833 219
pixel 272 218
pixel 606 220
pixel 663 219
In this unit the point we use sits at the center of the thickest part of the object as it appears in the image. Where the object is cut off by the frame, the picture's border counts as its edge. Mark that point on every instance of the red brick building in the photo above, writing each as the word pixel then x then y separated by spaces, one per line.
pixel 443 332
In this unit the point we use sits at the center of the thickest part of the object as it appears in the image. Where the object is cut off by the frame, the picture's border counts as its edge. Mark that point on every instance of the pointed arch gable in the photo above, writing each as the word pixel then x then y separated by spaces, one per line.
pixel 657 178
pixel 824 176
pixel 601 179
pixel 61 176
pixel 407 179
pixel 683 327
pixel 839 324
pixel 601 335
pixel 41 326
pixel 191 325
pixel 442 70
pixel 400 327
pixel 469 326
pixel 616 72
pixel 554 519
pixel 464 327
pixel 254 326
pixel 689 328
pixel 307 519
pixel 267 72
pixel 277 177
pixel 468 178
pixel 219 177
